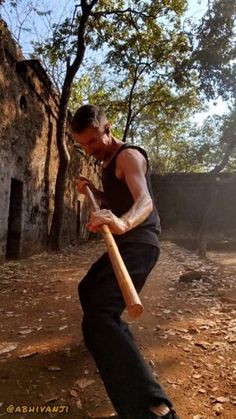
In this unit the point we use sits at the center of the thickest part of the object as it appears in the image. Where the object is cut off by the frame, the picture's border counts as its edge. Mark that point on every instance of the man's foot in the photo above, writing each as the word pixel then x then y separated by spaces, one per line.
pixel 170 415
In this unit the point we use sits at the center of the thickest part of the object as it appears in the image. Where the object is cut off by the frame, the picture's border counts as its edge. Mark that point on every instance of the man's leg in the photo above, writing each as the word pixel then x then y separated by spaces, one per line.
pixel 129 381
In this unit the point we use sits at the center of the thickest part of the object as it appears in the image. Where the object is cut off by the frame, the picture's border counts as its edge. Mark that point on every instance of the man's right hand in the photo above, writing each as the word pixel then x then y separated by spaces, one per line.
pixel 82 182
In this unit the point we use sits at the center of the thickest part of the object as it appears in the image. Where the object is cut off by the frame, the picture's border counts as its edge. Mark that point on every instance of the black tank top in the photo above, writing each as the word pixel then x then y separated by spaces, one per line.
pixel 120 200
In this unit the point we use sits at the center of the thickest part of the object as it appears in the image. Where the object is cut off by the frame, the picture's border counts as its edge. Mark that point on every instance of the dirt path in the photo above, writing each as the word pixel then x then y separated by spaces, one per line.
pixel 187 334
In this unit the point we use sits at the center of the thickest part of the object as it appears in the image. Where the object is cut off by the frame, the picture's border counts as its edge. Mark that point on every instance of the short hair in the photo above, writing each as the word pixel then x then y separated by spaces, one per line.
pixel 88 116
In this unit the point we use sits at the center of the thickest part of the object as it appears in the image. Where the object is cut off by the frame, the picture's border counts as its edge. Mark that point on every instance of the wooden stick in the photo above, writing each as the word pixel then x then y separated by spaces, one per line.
pixel 131 298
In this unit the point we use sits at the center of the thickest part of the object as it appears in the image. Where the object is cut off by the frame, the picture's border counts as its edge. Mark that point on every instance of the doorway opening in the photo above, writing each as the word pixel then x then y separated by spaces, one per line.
pixel 14 219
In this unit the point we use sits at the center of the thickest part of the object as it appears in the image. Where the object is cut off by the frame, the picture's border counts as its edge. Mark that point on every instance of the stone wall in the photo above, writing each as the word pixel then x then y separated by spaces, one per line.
pixel 182 200
pixel 29 158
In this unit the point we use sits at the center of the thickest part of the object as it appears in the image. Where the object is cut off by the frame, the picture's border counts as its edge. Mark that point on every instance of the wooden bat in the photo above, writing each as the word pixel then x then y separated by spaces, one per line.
pixel 131 298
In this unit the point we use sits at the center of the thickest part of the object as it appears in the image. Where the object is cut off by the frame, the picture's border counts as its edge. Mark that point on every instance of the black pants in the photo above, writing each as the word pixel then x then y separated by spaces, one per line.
pixel 128 380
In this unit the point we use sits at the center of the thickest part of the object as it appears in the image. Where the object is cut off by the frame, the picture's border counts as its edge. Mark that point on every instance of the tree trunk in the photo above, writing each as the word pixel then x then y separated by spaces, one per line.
pixel 209 210
pixel 64 158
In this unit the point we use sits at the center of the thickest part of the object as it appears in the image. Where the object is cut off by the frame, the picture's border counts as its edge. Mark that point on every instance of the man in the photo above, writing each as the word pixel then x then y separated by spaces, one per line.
pixel 134 222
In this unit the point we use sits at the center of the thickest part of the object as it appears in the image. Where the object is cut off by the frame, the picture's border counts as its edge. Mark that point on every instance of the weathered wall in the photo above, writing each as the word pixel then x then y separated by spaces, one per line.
pixel 182 200
pixel 29 157
pixel 77 205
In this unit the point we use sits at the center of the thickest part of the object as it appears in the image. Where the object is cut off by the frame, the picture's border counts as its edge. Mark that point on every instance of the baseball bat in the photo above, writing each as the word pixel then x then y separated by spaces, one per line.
pixel 131 298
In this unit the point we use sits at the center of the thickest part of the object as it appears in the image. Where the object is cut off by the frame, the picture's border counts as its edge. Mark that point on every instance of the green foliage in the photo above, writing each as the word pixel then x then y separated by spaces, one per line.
pixel 153 73
pixel 215 51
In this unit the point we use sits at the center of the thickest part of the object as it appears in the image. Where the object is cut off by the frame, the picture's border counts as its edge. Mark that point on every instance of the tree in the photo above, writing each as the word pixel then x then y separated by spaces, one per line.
pixel 64 158
pixel 158 66
pixel 213 52
pixel 65 45
pixel 142 56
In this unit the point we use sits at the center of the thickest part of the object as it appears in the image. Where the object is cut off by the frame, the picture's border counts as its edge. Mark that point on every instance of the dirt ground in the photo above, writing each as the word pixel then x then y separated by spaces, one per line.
pixel 187 335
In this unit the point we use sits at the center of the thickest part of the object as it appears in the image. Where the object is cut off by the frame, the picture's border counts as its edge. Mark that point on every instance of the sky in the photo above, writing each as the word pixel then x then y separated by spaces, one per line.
pixel 62 8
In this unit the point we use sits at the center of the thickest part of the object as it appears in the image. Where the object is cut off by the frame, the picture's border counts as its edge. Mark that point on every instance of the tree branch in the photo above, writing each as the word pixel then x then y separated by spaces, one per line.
pixel 119 12
pixel 152 102
pixel 221 166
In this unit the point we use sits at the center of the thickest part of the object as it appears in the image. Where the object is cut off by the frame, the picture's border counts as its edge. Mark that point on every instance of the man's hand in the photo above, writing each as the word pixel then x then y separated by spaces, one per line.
pixel 101 217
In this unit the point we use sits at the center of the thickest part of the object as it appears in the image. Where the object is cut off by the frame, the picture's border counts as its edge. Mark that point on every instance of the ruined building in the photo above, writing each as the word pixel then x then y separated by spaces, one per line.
pixel 29 157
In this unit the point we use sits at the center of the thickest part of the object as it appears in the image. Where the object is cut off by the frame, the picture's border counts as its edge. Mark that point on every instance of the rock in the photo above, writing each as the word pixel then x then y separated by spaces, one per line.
pixel 27 355
pixel 52 368
pixel 204 345
pixel 7 347
pixel 222 400
pixel 218 409
pixel 190 276
pixel 73 393
pixel 79 404
pixel 193 330
pixel 197 376
pixel 84 382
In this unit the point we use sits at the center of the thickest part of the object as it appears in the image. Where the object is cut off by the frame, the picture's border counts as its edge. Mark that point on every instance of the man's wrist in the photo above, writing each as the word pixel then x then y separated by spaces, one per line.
pixel 125 224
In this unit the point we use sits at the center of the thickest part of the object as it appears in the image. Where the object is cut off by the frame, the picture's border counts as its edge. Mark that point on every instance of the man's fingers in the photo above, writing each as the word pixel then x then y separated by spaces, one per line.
pixel 92 228
pixel 81 184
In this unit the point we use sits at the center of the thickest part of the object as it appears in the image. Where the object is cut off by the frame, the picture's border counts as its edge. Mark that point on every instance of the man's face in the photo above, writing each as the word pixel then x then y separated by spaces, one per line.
pixel 94 141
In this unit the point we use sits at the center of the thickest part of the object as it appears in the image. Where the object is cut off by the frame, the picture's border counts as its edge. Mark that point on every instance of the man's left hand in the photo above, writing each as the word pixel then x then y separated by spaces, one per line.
pixel 101 217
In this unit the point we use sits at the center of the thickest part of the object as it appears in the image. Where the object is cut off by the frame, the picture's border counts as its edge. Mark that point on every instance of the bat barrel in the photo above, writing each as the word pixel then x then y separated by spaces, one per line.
pixel 135 310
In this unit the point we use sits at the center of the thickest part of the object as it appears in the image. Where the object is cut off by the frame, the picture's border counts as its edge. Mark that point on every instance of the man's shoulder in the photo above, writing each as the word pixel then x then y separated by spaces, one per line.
pixel 131 150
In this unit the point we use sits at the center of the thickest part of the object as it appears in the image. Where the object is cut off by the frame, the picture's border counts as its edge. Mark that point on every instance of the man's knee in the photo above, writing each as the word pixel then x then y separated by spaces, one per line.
pixel 94 325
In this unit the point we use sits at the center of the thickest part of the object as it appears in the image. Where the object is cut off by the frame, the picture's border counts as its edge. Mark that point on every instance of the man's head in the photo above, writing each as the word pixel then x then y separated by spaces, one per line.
pixel 90 128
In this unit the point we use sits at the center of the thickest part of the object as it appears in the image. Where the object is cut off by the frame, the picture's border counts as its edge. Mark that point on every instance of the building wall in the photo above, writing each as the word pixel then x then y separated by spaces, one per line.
pixel 183 199
pixel 29 156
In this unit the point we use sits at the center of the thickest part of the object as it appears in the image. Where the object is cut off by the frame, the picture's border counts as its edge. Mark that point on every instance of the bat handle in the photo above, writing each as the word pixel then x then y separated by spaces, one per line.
pixel 92 198
pixel 130 295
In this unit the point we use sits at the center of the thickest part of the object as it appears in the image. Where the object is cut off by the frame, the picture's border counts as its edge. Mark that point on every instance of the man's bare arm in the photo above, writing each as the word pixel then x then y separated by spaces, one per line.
pixel 131 167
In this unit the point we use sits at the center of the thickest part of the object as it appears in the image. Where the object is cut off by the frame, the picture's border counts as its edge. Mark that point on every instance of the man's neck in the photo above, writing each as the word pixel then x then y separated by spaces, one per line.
pixel 111 150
